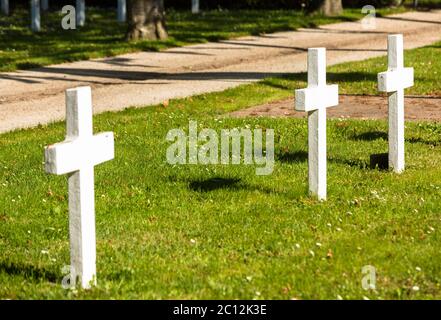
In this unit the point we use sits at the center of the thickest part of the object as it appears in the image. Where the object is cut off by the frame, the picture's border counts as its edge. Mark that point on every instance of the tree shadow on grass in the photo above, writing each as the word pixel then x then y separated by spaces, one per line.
pixel 369 136
pixel 293 157
pixel 355 163
pixel 375 135
pixel 350 76
pixel 333 77
pixel 214 184
pixel 231 184
pixel 302 156
pixel 28 272
pixel 423 141
pixel 434 46
pixel 343 76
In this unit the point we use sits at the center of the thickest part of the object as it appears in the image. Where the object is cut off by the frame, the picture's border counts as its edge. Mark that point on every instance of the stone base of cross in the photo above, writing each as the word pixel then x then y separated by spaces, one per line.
pixel 77 156
pixel 394 81
pixel 315 99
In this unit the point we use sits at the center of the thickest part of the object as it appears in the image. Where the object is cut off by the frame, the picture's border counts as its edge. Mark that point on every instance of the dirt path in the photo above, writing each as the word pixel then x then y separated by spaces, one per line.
pixel 353 106
pixel 28 98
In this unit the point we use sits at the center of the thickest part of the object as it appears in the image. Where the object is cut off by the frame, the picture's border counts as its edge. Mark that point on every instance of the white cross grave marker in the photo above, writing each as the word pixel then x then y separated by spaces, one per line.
pixel 77 156
pixel 394 81
pixel 315 99
pixel 194 6
pixel 35 15
pixel 5 7
pixel 122 10
pixel 81 12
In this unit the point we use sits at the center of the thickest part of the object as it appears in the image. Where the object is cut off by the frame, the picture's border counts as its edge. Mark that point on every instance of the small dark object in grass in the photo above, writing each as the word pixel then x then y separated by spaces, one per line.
pixel 380 161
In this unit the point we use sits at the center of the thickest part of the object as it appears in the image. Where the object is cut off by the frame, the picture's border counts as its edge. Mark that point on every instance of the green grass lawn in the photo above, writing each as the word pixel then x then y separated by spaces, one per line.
pixel 103 36
pixel 217 231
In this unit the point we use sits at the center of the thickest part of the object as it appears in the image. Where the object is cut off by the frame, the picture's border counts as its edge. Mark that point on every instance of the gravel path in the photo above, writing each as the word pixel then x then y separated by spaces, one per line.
pixel 28 98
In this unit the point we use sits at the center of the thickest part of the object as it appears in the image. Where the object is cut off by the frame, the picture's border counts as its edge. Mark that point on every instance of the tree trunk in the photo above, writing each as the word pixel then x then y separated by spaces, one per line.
pixel 146 19
pixel 330 7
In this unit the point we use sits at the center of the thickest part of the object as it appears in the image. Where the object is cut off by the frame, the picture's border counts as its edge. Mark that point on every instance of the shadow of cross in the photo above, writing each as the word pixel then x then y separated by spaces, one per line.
pixel 315 99
pixel 394 81
pixel 77 156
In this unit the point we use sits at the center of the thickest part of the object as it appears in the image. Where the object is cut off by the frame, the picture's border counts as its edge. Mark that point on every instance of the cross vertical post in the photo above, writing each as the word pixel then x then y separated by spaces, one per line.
pixel 194 6
pixel 122 10
pixel 81 190
pixel 77 156
pixel 81 12
pixel 35 16
pixel 44 5
pixel 315 99
pixel 5 7
pixel 394 81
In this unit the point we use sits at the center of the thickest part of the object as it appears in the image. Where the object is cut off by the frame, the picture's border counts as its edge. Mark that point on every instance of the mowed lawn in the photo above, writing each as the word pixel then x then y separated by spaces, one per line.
pixel 219 231
pixel 102 36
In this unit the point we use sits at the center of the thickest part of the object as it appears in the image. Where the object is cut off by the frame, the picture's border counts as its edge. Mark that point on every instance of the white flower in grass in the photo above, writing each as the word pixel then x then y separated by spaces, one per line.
pixel 416 288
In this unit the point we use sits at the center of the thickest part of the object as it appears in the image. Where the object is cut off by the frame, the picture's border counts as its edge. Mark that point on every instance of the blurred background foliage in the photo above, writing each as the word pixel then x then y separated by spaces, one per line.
pixel 244 4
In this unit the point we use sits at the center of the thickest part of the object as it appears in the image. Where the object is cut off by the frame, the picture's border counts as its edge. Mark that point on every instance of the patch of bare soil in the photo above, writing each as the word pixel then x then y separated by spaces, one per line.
pixel 353 106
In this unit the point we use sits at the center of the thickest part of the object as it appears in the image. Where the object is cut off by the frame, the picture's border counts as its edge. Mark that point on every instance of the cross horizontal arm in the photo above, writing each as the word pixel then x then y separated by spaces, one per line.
pixel 69 156
pixel 314 98
pixel 394 80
